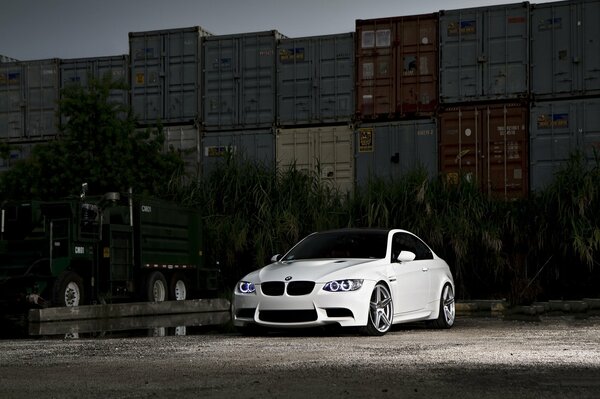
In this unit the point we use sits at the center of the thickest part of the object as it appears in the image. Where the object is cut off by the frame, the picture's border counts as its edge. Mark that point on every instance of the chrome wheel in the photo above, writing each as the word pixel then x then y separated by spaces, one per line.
pixel 447 306
pixel 381 311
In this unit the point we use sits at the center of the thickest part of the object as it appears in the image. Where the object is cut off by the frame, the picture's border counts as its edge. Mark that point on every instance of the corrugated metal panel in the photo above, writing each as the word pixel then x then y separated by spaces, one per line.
pixel 315 79
pixel 565 49
pixel 488 143
pixel 559 128
pixel 166 81
pixel 484 53
pixel 254 145
pixel 397 66
pixel 240 81
pixel 79 70
pixel 327 151
pixel 390 150
pixel 185 139
pixel 29 93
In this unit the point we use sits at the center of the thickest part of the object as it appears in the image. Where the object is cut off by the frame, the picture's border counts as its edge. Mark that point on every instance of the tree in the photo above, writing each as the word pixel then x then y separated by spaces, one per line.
pixel 98 144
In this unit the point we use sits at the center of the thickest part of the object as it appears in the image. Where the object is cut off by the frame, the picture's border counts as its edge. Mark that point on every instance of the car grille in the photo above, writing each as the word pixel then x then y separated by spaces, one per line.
pixel 294 288
pixel 288 316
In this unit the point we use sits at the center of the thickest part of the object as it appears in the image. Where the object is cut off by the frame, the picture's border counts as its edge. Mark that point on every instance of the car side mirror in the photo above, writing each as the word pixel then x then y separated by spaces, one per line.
pixel 406 256
pixel 275 258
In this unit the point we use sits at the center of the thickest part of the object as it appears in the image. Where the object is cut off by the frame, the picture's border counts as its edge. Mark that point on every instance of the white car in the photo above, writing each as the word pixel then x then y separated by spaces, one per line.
pixel 370 278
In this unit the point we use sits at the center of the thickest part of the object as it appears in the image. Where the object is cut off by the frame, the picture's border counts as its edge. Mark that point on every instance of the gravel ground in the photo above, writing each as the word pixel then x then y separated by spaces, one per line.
pixel 554 358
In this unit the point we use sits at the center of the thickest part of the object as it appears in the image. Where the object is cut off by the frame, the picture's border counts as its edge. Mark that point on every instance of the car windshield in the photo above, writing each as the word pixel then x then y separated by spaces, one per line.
pixel 368 244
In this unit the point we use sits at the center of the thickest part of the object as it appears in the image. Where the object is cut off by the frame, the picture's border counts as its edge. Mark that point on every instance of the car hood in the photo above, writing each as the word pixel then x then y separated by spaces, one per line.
pixel 317 270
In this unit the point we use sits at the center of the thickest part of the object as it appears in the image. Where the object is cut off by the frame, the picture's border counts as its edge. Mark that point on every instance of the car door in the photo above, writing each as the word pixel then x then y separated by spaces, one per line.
pixel 411 289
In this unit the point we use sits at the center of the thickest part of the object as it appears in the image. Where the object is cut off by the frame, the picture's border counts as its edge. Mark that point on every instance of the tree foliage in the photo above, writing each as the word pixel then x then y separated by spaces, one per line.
pixel 97 144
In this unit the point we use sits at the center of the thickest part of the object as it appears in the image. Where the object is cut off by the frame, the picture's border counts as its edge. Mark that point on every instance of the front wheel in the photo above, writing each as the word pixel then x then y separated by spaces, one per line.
pixel 68 290
pixel 381 311
pixel 447 312
pixel 156 287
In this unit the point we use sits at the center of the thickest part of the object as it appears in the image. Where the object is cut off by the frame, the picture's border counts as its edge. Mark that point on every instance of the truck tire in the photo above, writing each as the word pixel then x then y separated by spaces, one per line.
pixel 156 287
pixel 178 289
pixel 68 290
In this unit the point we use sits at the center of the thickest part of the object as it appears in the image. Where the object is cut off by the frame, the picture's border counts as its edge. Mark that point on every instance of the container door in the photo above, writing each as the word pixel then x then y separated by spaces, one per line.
pixel 147 77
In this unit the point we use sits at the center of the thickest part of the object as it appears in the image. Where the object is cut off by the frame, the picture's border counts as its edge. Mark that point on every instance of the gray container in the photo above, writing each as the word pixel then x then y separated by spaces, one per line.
pixel 166 78
pixel 29 93
pixel 565 49
pixel 254 145
pixel 240 81
pixel 185 140
pixel 558 128
pixel 326 151
pixel 390 149
pixel 315 80
pixel 80 70
pixel 484 53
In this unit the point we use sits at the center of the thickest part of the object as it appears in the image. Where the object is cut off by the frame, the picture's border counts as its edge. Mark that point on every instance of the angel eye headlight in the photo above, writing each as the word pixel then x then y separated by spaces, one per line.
pixel 244 287
pixel 343 285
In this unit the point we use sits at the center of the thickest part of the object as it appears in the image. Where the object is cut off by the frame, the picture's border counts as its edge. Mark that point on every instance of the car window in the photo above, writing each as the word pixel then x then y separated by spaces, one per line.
pixel 408 242
pixel 341 244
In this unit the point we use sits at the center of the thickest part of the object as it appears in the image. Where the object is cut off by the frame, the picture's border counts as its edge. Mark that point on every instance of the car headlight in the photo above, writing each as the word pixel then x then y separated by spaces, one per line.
pixel 343 285
pixel 245 287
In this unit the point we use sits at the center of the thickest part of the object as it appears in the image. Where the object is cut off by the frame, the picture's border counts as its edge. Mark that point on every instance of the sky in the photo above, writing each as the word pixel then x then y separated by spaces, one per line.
pixel 42 29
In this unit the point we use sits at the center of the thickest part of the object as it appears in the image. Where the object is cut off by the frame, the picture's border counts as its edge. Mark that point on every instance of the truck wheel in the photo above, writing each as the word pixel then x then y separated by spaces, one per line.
pixel 156 287
pixel 68 290
pixel 178 288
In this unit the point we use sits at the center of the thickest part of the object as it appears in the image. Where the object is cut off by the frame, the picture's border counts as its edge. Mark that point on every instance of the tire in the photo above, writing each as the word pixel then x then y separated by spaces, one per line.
pixel 381 312
pixel 178 289
pixel 67 290
pixel 156 287
pixel 447 312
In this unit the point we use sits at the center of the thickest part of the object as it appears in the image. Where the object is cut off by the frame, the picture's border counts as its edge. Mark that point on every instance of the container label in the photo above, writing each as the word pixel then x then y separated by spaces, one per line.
pixel 462 28
pixel 516 20
pixel 222 63
pixel 365 140
pixel 218 151
pixel 550 121
pixel 550 23
pixel 139 78
pixel 10 78
pixel 291 55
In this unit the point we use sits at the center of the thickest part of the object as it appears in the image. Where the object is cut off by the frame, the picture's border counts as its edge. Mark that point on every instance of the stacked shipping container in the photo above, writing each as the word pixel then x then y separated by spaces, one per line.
pixel 565 89
pixel 452 92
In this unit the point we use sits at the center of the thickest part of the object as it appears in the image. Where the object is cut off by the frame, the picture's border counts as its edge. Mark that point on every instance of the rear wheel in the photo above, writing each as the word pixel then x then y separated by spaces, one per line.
pixel 68 290
pixel 156 287
pixel 178 289
pixel 447 311
pixel 381 311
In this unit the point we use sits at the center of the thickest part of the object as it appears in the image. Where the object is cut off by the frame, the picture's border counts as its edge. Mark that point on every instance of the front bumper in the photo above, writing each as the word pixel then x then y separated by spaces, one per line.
pixel 318 308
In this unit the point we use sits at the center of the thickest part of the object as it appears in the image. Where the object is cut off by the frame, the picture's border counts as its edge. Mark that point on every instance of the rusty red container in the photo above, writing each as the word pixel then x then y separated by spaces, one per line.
pixel 397 67
pixel 487 143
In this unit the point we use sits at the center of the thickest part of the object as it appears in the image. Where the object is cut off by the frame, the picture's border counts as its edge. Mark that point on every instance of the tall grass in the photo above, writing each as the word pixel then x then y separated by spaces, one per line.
pixel 545 246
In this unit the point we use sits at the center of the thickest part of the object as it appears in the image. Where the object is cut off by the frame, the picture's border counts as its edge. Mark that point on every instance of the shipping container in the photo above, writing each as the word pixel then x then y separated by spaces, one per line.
pixel 487 144
pixel 185 140
pixel 29 93
pixel 4 58
pixel 240 81
pixel 397 67
pixel 79 70
pixel 253 145
pixel 392 149
pixel 326 152
pixel 484 53
pixel 315 80
pixel 558 129
pixel 166 75
pixel 565 49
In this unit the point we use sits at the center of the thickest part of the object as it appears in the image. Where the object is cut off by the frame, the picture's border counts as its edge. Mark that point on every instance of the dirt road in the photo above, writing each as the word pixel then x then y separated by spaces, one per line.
pixel 557 358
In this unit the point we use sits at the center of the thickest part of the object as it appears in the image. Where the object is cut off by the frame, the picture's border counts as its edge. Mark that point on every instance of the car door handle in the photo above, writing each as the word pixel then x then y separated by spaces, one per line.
pixel 425 269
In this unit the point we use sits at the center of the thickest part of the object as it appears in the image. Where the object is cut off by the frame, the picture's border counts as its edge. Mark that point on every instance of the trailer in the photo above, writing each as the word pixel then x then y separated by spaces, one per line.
pixel 105 249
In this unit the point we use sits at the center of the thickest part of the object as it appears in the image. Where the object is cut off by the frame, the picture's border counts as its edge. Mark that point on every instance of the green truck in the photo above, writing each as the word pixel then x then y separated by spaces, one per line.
pixel 90 250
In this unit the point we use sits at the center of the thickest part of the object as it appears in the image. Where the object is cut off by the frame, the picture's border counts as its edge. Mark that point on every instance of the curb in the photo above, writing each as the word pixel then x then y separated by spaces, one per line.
pixel 501 308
